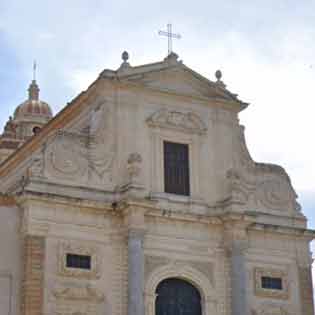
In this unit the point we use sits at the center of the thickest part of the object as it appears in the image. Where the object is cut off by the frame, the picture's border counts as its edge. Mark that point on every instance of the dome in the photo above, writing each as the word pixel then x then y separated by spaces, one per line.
pixel 33 108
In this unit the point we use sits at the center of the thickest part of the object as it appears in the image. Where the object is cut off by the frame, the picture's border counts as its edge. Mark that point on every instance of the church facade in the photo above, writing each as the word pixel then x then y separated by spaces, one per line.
pixel 140 197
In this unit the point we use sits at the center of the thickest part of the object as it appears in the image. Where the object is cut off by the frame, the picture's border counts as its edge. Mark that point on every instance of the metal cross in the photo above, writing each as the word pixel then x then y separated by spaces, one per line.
pixel 170 36
pixel 34 70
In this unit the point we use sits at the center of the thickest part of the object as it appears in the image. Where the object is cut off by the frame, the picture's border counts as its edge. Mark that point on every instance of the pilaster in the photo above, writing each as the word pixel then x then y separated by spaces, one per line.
pixel 304 266
pixel 33 256
pixel 33 274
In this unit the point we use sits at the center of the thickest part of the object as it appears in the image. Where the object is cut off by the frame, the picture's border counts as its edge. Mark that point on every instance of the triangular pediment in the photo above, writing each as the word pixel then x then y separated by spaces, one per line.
pixel 179 79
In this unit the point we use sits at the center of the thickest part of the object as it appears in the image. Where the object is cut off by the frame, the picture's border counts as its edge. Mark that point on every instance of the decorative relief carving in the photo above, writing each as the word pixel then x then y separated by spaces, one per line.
pixel 272 192
pixel 134 168
pixel 269 183
pixel 87 293
pixel 154 262
pixel 184 270
pixel 87 154
pixel 270 293
pixel 36 168
pixel 75 300
pixel 79 249
pixel 101 143
pixel 66 155
pixel 238 193
pixel 190 122
pixel 270 309
pixel 275 194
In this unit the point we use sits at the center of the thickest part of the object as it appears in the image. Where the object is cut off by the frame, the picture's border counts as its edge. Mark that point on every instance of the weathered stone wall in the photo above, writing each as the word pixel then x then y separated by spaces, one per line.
pixel 306 290
pixel 32 289
pixel 10 259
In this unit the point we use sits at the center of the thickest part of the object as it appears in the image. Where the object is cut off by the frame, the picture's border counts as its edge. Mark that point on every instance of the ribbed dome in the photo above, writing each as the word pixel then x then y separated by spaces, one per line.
pixel 33 107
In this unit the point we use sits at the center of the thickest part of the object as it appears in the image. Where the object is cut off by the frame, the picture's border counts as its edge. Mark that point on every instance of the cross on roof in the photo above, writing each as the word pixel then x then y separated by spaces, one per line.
pixel 170 36
pixel 34 70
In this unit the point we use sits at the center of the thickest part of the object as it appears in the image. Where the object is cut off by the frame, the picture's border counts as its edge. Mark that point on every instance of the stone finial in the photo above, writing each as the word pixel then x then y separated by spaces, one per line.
pixel 218 75
pixel 125 64
pixel 125 56
pixel 9 129
pixel 33 91
pixel 172 58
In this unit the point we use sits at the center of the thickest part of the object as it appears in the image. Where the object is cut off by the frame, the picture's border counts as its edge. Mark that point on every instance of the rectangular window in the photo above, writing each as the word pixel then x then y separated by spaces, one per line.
pixel 271 283
pixel 176 168
pixel 79 261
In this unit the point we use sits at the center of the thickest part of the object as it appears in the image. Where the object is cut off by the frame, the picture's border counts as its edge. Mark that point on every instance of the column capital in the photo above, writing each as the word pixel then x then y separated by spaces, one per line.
pixel 236 232
pixel 134 218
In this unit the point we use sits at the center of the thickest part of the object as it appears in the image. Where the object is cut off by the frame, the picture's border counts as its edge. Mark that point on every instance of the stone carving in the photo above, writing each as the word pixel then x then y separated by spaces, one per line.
pixel 36 168
pixel 238 194
pixel 101 141
pixel 66 154
pixel 86 293
pixel 154 262
pixel 269 293
pixel 134 167
pixel 79 249
pixel 10 129
pixel 275 194
pixel 270 309
pixel 87 154
pixel 258 185
pixel 78 300
pixel 189 122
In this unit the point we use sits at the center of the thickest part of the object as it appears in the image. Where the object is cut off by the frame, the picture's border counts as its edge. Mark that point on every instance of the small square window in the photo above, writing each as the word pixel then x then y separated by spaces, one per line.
pixel 271 283
pixel 78 261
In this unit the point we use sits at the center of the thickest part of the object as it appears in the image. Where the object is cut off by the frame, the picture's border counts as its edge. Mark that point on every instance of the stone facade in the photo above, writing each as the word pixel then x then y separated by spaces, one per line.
pixel 33 275
pixel 91 185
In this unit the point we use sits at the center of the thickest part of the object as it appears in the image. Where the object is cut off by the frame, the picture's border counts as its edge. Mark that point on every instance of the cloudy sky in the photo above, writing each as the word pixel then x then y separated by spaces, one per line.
pixel 265 49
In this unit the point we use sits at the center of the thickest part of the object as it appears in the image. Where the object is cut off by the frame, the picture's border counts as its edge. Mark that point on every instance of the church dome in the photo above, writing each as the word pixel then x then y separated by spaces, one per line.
pixel 33 108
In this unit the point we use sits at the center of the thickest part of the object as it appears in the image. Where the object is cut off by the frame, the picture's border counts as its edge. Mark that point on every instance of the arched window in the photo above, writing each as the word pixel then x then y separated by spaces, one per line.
pixel 177 297
pixel 36 130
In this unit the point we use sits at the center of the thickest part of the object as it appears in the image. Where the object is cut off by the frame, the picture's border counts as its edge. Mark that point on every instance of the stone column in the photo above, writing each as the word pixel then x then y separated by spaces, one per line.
pixel 135 223
pixel 238 279
pixel 135 272
pixel 236 243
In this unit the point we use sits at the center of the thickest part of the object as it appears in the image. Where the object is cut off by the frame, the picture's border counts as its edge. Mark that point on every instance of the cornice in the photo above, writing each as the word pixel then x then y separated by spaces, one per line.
pixel 287 230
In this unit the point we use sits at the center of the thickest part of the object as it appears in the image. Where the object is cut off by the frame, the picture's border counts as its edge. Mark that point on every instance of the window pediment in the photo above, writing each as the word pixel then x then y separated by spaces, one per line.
pixel 187 122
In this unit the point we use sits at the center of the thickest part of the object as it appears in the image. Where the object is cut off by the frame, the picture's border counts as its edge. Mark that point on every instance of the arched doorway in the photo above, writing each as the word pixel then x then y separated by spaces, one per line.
pixel 177 297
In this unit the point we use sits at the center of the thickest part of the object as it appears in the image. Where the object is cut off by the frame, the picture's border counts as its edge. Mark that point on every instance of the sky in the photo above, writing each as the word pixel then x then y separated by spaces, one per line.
pixel 265 49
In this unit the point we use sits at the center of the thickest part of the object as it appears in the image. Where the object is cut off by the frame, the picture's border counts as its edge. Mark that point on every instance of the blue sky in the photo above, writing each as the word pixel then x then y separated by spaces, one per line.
pixel 265 49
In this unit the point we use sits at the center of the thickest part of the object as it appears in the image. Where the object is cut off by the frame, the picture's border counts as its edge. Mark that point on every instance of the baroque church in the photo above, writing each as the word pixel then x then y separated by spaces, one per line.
pixel 140 198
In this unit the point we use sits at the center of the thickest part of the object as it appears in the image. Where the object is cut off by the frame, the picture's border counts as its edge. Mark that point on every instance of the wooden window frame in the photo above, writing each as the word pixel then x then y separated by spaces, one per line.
pixel 183 188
